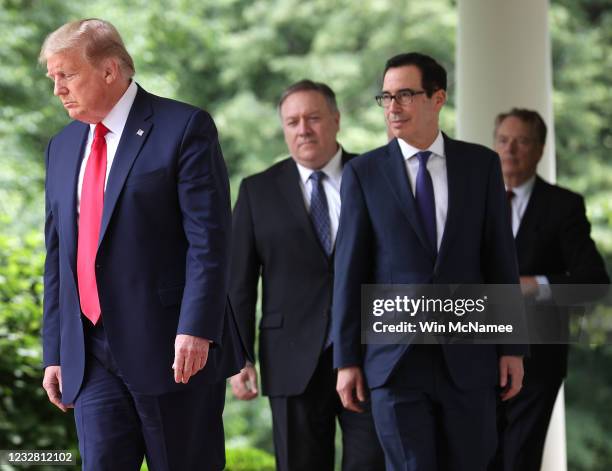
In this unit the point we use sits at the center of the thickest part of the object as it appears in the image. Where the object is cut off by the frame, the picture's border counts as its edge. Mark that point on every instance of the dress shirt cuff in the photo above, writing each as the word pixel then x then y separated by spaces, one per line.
pixel 544 292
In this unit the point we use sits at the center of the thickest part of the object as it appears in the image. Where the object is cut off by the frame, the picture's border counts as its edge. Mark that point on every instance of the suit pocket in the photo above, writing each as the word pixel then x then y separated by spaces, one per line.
pixel 145 177
pixel 171 296
pixel 271 321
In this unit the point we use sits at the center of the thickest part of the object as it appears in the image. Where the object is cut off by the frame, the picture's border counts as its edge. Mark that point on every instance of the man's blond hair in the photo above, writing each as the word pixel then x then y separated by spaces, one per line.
pixel 98 39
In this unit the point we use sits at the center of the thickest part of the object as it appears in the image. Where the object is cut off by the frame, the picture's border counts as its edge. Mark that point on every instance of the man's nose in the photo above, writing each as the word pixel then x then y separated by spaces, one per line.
pixel 303 127
pixel 58 88
pixel 394 106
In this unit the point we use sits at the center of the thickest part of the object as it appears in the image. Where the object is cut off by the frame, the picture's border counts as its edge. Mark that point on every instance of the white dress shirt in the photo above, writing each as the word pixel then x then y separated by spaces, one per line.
pixel 436 164
pixel 331 185
pixel 519 202
pixel 114 122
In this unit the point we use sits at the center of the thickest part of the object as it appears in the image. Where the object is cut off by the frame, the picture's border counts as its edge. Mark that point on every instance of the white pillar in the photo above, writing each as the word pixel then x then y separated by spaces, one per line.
pixel 503 60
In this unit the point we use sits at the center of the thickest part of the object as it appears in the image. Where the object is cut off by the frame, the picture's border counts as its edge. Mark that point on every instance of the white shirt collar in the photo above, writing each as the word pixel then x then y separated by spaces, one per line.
pixel 436 147
pixel 117 117
pixel 333 168
pixel 525 189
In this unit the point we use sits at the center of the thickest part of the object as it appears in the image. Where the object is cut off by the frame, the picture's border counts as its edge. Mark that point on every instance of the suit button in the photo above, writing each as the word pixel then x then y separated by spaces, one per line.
pixel 98 266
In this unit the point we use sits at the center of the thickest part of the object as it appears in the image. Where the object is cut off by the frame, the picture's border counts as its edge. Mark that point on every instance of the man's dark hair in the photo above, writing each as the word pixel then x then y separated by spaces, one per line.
pixel 433 75
pixel 306 85
pixel 529 117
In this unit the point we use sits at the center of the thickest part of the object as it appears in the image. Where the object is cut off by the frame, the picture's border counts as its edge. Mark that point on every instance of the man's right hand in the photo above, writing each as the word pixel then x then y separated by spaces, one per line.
pixel 351 388
pixel 52 383
pixel 244 384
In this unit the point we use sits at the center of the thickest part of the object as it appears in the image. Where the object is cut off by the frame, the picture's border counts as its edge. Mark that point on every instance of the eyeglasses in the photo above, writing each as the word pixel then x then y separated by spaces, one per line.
pixel 402 97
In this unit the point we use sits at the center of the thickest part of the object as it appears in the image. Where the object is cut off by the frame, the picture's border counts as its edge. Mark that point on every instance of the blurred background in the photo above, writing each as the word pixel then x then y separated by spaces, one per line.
pixel 233 58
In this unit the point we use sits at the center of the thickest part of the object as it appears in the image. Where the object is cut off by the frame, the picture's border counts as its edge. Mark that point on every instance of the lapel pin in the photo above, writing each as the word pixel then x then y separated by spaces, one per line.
pixel 140 132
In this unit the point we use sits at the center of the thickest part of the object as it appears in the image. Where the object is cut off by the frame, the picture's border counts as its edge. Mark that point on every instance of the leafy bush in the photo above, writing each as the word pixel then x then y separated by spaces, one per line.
pixel 248 459
pixel 27 419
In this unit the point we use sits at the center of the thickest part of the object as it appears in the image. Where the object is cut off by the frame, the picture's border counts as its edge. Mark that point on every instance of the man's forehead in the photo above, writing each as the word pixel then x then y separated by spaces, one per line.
pixel 303 102
pixel 515 126
pixel 63 59
pixel 407 76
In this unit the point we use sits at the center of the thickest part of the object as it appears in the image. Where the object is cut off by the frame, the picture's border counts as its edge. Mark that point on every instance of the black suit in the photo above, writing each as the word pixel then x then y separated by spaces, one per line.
pixel 274 238
pixel 553 240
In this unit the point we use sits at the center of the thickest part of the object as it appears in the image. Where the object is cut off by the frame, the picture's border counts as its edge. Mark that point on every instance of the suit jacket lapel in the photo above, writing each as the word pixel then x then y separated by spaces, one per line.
pixel 72 156
pixel 456 177
pixel 394 169
pixel 134 135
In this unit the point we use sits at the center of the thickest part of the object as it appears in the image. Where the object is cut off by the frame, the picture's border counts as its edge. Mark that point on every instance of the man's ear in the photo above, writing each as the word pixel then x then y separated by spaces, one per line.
pixel 439 98
pixel 110 69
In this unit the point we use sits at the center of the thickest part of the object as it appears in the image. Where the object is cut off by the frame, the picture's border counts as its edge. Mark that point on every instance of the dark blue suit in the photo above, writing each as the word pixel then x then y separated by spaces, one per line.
pixel 381 240
pixel 163 254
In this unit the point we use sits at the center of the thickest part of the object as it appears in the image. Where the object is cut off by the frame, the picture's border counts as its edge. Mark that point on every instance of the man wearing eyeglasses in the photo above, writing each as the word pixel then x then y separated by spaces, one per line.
pixel 423 209
pixel 554 246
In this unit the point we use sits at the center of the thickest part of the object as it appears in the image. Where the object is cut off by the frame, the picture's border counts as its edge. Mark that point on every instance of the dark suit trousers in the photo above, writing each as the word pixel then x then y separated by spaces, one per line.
pixel 523 423
pixel 117 426
pixel 304 428
pixel 425 423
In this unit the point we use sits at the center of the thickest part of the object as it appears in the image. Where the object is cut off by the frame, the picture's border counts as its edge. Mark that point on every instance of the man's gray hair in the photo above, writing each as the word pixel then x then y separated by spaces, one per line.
pixel 306 85
pixel 98 39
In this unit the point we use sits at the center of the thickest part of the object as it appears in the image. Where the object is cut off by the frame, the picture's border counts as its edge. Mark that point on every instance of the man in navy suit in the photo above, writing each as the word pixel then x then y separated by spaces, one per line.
pixel 423 209
pixel 554 246
pixel 136 336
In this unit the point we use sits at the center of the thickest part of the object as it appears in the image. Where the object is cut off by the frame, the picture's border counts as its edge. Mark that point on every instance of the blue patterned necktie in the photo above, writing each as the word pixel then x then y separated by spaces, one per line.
pixel 426 203
pixel 319 211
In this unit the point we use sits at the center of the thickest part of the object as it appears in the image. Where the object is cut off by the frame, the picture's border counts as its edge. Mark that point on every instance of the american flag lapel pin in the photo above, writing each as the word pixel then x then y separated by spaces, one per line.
pixel 140 132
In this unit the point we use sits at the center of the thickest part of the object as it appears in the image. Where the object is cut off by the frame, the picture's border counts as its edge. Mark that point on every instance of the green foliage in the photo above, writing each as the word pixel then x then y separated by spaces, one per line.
pixel 589 409
pixel 248 459
pixel 27 419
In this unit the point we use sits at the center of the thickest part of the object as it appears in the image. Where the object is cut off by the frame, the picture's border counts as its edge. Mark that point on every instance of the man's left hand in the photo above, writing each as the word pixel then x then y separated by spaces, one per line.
pixel 190 355
pixel 510 376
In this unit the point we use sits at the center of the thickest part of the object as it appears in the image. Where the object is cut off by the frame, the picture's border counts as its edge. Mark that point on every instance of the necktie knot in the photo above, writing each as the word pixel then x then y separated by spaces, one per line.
pixel 510 194
pixel 423 157
pixel 100 130
pixel 317 176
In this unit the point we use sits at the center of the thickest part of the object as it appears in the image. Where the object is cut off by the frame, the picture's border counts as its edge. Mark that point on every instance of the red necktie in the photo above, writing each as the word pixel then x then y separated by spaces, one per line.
pixel 92 202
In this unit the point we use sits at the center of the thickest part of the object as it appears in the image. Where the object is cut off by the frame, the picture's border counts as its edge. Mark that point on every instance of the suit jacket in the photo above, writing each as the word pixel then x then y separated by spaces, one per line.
pixel 163 251
pixel 554 240
pixel 274 238
pixel 381 240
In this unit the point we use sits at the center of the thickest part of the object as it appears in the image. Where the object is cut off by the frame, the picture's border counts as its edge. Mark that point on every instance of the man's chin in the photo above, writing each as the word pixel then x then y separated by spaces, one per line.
pixel 73 113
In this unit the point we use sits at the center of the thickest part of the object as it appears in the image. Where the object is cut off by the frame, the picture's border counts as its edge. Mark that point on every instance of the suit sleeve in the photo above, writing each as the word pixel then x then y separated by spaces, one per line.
pixel 51 314
pixel 352 269
pixel 203 193
pixel 245 268
pixel 499 264
pixel 580 256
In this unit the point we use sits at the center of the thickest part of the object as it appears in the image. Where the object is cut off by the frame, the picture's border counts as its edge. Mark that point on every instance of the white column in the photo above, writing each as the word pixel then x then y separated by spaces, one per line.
pixel 503 60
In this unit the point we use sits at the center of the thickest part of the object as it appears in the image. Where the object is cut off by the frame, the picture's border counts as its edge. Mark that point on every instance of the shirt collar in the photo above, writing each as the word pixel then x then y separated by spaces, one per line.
pixel 117 117
pixel 436 147
pixel 333 168
pixel 525 189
